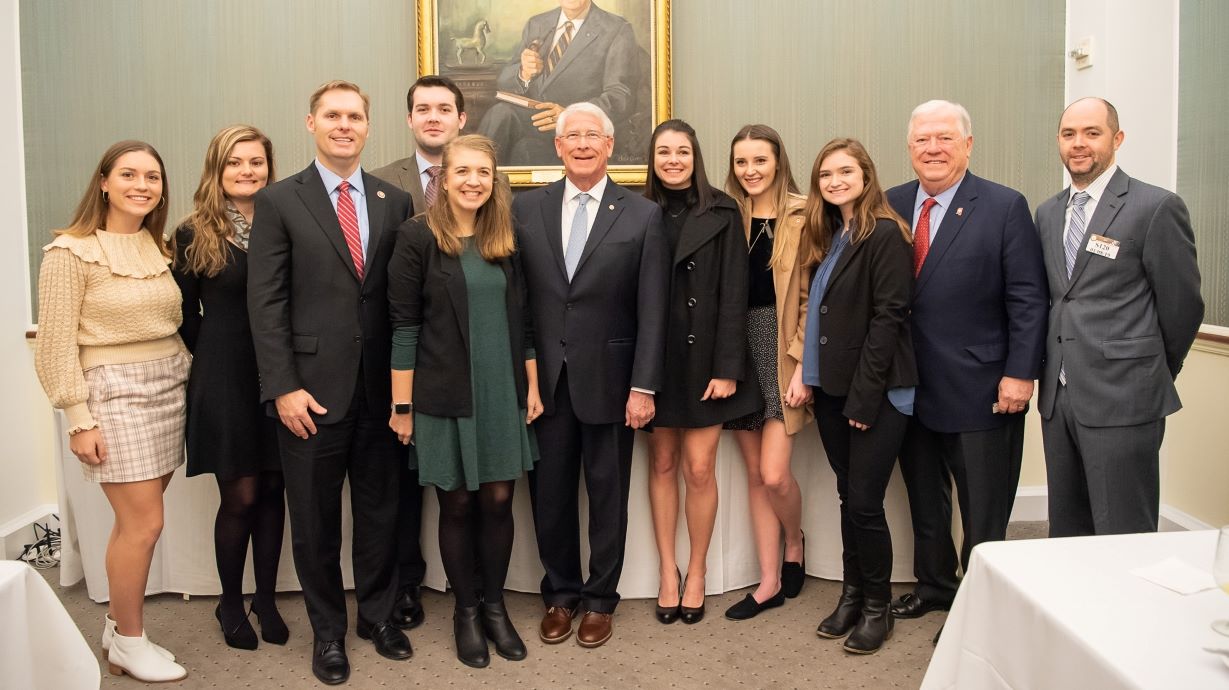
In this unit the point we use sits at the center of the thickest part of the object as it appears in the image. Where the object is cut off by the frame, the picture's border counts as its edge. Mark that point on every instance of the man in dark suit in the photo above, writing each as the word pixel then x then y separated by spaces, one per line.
pixel 317 284
pixel 579 52
pixel 597 269
pixel 978 319
pixel 1120 255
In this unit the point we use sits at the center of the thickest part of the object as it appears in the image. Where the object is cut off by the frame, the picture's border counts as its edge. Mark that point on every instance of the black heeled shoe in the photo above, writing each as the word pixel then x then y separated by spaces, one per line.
pixel 498 627
pixel 272 628
pixel 845 616
pixel 872 629
pixel 470 637
pixel 691 615
pixel 794 575
pixel 241 635
pixel 668 614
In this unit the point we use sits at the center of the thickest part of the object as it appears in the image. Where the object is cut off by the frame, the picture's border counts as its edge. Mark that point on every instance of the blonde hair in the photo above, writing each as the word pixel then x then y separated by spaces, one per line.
pixel 340 85
pixel 787 200
pixel 206 254
pixel 91 211
pixel 822 217
pixel 493 225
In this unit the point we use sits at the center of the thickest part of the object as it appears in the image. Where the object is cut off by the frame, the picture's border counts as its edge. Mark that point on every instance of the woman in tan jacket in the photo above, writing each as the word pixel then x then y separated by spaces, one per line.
pixel 761 182
pixel 109 355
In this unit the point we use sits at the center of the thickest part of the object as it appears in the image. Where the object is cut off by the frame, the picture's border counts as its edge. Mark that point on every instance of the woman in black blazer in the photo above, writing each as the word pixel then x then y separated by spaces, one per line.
pixel 464 382
pixel 706 380
pixel 858 359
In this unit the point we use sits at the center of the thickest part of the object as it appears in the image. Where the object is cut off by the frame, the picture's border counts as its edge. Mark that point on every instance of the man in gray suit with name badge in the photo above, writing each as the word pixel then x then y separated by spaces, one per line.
pixel 1125 308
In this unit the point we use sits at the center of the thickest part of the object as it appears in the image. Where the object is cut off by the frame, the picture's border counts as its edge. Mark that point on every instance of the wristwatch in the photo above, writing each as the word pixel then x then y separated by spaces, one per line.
pixel 403 407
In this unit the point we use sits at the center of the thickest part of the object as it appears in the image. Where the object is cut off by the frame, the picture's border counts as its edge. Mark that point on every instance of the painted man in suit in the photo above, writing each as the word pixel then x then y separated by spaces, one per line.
pixel 435 113
pixel 317 284
pixel 1120 255
pixel 597 267
pixel 978 318
pixel 579 52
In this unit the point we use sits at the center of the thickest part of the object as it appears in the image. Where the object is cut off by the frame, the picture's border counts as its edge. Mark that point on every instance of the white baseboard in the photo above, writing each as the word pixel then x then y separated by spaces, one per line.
pixel 14 534
pixel 1031 506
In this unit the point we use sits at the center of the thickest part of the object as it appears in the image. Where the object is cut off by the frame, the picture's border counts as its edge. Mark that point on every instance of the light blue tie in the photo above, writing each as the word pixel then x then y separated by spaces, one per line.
pixel 580 233
pixel 1075 230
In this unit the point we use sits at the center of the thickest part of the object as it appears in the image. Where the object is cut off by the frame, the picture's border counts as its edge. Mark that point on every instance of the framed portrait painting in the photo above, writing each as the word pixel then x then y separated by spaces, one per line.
pixel 519 62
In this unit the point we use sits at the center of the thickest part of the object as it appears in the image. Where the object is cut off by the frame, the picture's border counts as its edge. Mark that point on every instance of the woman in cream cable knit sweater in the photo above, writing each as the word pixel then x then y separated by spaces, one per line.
pixel 109 355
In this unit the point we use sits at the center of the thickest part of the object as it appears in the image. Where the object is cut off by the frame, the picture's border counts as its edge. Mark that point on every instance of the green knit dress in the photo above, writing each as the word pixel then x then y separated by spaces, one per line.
pixel 495 444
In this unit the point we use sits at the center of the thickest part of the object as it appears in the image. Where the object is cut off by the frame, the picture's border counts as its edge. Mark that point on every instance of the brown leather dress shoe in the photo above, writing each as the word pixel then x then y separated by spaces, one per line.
pixel 595 628
pixel 556 625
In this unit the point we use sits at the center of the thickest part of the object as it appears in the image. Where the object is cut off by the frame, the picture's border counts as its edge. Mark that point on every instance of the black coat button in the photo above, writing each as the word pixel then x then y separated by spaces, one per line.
pixel 563 342
pixel 691 339
pixel 823 309
pixel 691 265
pixel 358 338
pixel 691 302
pixel 823 340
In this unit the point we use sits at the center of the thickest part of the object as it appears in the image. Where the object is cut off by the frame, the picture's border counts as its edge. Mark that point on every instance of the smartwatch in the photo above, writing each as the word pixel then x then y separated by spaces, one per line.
pixel 403 407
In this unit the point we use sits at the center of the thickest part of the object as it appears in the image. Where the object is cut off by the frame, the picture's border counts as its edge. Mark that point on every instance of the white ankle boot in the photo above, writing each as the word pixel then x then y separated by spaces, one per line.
pixel 137 657
pixel 108 630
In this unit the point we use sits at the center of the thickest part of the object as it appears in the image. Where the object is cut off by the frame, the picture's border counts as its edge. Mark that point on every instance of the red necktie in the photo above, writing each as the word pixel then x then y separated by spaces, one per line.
pixel 348 217
pixel 433 185
pixel 921 236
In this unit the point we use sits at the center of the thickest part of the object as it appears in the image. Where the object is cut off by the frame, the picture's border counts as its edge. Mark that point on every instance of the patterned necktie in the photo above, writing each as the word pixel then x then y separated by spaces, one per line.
pixel 560 46
pixel 433 185
pixel 348 217
pixel 1075 230
pixel 921 236
pixel 580 233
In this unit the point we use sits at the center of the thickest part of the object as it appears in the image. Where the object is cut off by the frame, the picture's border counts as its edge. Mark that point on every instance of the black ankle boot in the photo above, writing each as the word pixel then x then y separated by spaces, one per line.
pixel 845 616
pixel 471 642
pixel 872 630
pixel 499 629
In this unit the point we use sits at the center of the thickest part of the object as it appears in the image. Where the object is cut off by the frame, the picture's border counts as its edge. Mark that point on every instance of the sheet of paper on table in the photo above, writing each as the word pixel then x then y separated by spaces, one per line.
pixel 1177 575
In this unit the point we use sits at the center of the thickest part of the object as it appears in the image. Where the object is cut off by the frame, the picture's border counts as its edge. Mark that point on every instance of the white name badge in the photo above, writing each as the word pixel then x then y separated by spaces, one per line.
pixel 1103 246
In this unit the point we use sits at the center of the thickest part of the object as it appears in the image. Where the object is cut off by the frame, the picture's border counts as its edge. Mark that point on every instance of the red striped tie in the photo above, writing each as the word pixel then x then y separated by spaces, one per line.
pixel 921 236
pixel 348 217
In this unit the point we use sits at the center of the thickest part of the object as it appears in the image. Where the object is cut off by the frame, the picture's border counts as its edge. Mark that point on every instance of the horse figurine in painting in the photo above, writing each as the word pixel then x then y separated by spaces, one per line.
pixel 476 42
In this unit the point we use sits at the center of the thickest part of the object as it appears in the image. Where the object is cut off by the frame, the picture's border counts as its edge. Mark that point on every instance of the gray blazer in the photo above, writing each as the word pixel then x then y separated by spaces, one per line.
pixel 404 173
pixel 1121 326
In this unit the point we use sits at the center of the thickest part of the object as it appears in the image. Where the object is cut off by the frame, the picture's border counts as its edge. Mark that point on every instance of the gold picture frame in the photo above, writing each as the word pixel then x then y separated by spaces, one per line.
pixel 479 57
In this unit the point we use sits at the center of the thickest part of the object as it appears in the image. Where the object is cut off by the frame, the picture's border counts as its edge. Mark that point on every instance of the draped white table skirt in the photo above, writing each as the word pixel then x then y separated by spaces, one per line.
pixel 184 559
pixel 40 646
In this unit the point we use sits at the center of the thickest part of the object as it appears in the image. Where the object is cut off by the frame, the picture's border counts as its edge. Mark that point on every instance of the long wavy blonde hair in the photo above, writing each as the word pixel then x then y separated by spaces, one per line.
pixel 91 211
pixel 787 200
pixel 206 254
pixel 493 226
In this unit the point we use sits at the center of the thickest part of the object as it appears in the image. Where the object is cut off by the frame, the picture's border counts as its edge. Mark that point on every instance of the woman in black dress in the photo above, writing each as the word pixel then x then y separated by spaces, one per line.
pixel 707 371
pixel 228 434
pixel 465 383
pixel 858 360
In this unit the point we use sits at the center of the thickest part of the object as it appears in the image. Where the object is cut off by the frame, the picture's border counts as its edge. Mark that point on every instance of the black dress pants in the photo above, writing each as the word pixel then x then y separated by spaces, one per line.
pixel 986 468
pixel 362 447
pixel 410 564
pixel 863 462
pixel 605 452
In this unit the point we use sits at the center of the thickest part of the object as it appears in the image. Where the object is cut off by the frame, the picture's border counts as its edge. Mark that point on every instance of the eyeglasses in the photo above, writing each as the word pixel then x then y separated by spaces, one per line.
pixel 574 138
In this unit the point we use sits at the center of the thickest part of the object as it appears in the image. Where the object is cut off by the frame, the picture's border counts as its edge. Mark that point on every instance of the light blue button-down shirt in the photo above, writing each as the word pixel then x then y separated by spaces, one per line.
pixel 359 195
pixel 938 211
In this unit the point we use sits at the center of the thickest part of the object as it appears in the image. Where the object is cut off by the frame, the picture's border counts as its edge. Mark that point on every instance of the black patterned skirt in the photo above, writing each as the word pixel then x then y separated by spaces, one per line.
pixel 762 343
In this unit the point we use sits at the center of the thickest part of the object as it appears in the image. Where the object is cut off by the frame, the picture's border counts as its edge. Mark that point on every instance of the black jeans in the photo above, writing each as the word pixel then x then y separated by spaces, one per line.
pixel 862 461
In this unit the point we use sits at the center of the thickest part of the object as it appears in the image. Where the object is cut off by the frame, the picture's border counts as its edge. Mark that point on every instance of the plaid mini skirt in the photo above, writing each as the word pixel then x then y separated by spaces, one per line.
pixel 140 409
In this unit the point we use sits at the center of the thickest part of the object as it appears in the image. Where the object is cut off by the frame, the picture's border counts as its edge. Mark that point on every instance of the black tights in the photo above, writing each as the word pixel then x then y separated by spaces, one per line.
pixel 489 546
pixel 253 507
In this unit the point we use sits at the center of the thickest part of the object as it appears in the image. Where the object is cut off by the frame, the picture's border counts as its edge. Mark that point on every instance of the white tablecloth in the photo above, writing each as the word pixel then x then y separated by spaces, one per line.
pixel 184 558
pixel 1066 613
pixel 40 646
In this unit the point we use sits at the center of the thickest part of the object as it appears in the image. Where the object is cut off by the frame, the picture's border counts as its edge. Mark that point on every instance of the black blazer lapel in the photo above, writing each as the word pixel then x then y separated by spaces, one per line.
pixel 316 199
pixel 454 283
pixel 963 206
pixel 841 263
pixel 608 211
pixel 377 208
pixel 1107 208
pixel 552 220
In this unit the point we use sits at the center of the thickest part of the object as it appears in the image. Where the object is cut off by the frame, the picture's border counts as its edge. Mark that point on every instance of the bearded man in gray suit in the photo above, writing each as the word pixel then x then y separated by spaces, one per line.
pixel 1125 308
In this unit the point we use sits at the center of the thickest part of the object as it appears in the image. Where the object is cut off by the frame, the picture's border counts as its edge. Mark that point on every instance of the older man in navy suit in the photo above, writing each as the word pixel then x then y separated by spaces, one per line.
pixel 979 326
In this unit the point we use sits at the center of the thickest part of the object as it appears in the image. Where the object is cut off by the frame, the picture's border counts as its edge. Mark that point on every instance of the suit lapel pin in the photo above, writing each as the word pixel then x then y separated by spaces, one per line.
pixel 380 193
pixel 611 207
pixel 960 211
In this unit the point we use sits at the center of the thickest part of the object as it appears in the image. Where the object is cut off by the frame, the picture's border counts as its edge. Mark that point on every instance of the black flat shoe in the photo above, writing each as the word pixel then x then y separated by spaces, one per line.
pixel 329 662
pixel 794 575
pixel 750 608
pixel 470 638
pixel 239 635
pixel 689 614
pixel 845 616
pixel 668 614
pixel 272 628
pixel 910 605
pixel 408 612
pixel 389 642
pixel 498 628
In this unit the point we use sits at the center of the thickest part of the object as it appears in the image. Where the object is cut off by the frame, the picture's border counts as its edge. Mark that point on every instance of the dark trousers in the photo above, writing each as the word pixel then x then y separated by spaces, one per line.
pixel 1102 480
pixel 410 564
pixel 863 462
pixel 361 446
pixel 986 468
pixel 516 139
pixel 605 452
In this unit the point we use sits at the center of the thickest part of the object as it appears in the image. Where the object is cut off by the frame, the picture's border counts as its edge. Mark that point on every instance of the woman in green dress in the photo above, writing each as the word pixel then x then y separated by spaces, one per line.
pixel 465 383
